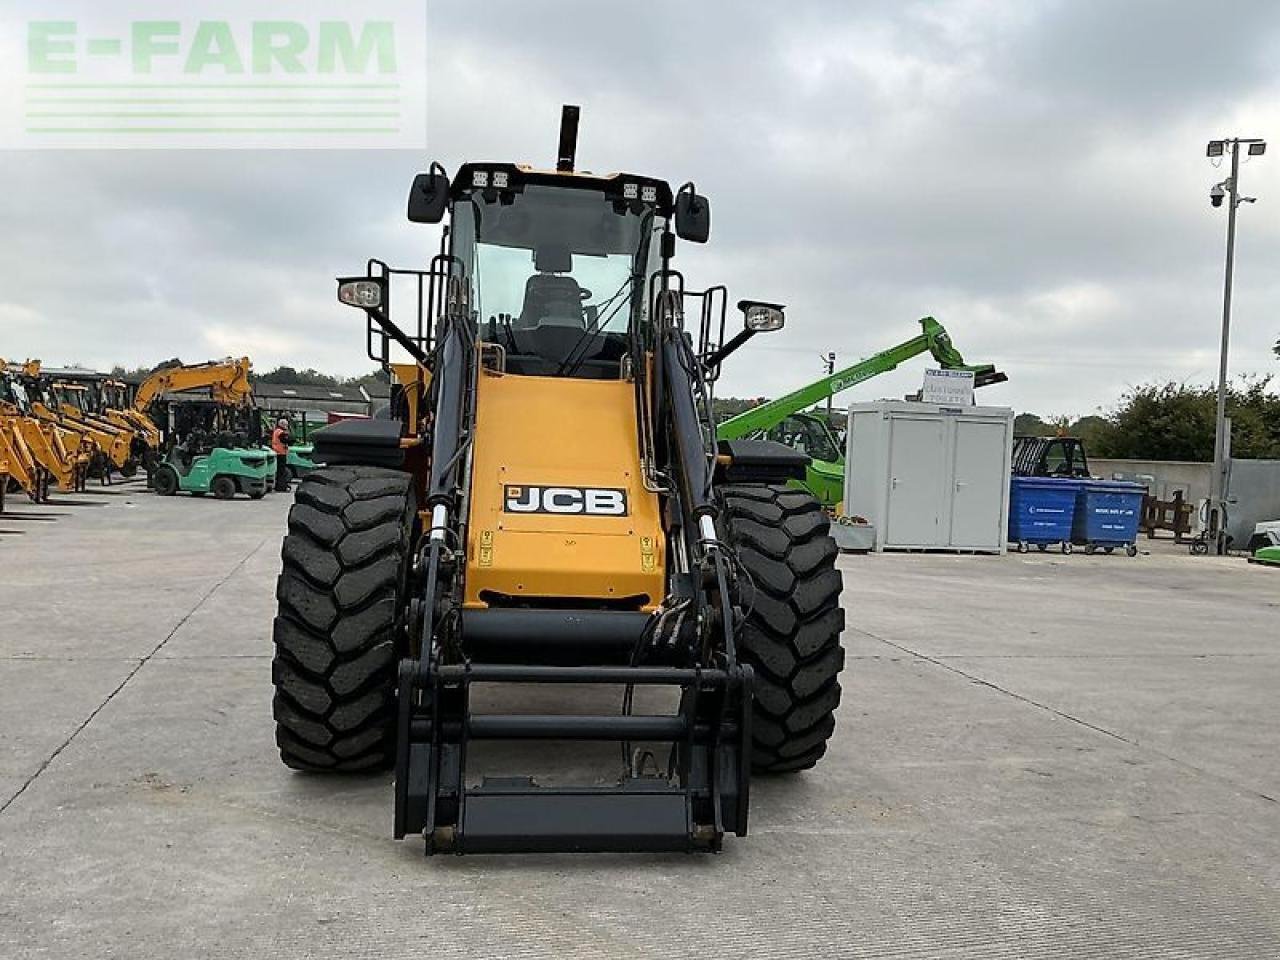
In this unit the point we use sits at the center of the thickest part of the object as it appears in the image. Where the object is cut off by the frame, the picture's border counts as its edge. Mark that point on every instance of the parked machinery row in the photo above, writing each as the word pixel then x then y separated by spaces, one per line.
pixel 191 427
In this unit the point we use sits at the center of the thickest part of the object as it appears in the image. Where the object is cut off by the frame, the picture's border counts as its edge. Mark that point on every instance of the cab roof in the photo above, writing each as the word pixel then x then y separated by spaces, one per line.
pixel 479 176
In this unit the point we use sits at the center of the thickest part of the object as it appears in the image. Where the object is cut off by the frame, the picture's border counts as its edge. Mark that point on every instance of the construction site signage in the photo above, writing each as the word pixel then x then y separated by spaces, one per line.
pixel 948 388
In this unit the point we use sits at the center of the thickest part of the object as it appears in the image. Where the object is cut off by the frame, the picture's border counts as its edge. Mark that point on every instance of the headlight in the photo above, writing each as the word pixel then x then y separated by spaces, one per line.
pixel 365 294
pixel 763 317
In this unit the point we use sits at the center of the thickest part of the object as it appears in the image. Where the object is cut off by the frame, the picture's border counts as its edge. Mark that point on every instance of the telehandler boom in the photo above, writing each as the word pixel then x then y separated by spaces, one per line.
pixel 782 419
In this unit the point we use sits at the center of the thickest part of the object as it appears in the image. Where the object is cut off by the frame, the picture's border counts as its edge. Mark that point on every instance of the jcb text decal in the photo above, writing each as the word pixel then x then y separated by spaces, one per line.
pixel 593 501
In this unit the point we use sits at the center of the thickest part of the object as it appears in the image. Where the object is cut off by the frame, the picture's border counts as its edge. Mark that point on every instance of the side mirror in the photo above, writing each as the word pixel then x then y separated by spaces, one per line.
pixel 693 216
pixel 760 317
pixel 367 293
pixel 429 196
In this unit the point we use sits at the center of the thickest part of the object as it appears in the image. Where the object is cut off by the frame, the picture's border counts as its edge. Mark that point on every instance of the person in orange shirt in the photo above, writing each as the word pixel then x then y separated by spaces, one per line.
pixel 280 440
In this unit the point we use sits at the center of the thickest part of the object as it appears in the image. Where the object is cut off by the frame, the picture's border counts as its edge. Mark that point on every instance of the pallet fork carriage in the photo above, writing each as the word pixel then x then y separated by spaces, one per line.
pixel 547 505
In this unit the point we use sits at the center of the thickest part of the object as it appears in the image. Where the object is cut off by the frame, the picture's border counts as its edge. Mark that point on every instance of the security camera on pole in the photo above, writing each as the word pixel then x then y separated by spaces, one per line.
pixel 1215 533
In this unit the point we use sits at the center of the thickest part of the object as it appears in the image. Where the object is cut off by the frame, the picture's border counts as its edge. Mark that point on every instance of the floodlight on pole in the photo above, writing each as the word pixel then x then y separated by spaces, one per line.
pixel 1229 188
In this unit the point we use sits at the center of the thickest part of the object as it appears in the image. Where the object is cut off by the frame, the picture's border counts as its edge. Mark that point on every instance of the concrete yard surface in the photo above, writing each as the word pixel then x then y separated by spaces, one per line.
pixel 1037 756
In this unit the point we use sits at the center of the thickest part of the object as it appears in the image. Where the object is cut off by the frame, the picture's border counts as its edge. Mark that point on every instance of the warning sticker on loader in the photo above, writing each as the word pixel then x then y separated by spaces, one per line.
pixel 589 501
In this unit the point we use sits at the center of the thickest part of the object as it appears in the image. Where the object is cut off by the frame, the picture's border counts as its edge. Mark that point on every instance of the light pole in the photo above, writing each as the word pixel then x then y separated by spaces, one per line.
pixel 1228 189
pixel 829 364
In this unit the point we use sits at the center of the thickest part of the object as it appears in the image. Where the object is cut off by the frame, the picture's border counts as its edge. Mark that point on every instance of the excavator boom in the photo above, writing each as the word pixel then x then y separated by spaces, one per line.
pixel 227 381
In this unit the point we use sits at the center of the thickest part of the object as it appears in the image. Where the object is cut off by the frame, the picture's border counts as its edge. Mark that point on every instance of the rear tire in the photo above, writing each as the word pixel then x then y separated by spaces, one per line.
pixel 792 636
pixel 224 488
pixel 342 595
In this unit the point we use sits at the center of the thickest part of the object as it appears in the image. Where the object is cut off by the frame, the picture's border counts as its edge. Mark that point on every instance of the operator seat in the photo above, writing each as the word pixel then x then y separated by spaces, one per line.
pixel 554 333
pixel 553 300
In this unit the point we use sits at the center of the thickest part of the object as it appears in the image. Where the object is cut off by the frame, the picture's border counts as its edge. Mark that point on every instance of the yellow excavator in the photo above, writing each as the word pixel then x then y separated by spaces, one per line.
pixel 226 380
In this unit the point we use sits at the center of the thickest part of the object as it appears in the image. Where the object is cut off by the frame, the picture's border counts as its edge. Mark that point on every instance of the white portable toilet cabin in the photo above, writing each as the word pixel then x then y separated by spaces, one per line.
pixel 930 477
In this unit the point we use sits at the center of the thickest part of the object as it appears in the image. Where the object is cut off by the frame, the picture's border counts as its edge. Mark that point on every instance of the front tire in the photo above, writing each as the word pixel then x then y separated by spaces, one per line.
pixel 342 596
pixel 165 481
pixel 791 637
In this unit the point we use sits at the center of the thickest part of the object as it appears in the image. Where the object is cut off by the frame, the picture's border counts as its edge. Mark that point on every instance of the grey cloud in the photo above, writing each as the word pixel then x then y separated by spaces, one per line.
pixel 1030 173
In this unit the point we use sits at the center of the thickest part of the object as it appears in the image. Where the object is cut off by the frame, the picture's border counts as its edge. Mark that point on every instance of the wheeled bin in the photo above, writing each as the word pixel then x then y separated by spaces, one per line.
pixel 1107 516
pixel 1042 512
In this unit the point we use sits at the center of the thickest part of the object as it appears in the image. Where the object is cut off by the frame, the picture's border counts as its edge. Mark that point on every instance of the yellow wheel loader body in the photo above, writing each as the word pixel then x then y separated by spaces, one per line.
pixel 558 504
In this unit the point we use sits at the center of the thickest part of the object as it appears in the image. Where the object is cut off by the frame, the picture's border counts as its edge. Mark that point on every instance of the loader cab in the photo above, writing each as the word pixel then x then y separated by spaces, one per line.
pixel 556 264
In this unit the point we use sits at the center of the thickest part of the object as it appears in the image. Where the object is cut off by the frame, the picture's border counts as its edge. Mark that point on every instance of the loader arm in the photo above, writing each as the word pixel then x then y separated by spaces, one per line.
pixel 38 451
pixel 933 339
pixel 115 444
pixel 19 462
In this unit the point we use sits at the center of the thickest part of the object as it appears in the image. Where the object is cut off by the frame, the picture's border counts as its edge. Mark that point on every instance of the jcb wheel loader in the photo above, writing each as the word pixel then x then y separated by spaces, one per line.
pixel 550 507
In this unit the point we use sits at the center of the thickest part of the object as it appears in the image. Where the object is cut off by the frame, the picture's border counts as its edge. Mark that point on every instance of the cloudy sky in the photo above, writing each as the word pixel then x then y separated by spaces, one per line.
pixel 1030 173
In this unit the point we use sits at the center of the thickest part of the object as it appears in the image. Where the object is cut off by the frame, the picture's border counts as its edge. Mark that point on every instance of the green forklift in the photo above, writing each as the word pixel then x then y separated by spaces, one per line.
pixel 213 449
pixel 222 471
pixel 300 461
pixel 787 421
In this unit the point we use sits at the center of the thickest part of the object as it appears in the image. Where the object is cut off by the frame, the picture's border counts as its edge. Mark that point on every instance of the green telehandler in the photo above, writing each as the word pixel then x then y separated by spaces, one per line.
pixel 784 419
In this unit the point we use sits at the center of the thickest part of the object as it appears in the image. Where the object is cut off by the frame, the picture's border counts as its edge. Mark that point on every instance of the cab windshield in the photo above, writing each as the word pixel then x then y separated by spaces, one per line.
pixel 71 397
pixel 808 435
pixel 558 275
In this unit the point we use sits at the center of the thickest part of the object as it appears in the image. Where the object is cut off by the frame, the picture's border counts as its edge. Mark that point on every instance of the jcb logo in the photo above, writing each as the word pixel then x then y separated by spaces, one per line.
pixel 594 501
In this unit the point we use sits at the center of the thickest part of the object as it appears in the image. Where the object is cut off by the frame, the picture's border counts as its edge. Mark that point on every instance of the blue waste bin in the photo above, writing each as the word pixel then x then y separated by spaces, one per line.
pixel 1107 516
pixel 1042 511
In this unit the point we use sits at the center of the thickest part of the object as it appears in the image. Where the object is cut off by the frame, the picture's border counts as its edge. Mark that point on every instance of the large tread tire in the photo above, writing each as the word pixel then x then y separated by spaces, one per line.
pixel 342 593
pixel 791 637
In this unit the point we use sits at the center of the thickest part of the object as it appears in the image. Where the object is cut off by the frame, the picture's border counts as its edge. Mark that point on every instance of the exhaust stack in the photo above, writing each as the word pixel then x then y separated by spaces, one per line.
pixel 568 138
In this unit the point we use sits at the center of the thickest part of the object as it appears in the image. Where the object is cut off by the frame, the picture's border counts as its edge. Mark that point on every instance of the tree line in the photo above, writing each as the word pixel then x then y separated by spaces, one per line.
pixel 1175 421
